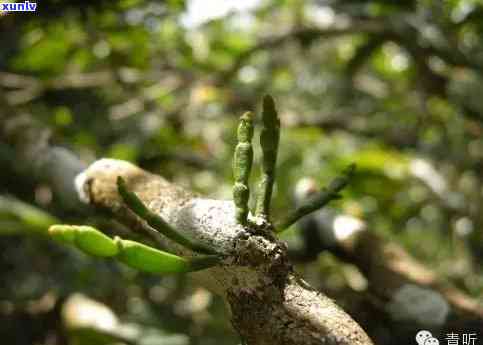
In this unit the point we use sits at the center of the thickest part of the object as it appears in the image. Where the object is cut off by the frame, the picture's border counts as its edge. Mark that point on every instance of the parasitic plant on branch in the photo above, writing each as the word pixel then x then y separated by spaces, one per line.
pixel 236 251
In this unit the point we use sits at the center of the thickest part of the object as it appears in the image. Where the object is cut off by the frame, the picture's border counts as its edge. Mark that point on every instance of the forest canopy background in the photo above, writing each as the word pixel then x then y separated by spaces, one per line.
pixel 393 86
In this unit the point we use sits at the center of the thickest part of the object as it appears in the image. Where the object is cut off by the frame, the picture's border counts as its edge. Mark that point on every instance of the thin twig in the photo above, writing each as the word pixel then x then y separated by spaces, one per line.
pixel 318 201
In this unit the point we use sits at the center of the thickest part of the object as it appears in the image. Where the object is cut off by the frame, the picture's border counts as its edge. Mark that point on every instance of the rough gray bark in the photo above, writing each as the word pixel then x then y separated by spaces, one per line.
pixel 268 303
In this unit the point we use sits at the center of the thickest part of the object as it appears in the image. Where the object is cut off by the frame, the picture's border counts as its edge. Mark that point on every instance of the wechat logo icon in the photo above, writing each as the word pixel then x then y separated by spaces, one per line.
pixel 426 338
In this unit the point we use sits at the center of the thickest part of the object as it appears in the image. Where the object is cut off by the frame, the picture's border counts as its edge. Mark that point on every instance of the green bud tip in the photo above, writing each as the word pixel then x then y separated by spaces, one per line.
pixel 62 233
pixel 245 128
pixel 269 114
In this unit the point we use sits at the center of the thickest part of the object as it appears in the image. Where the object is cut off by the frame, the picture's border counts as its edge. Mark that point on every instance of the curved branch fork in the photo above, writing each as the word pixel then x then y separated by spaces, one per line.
pixel 268 303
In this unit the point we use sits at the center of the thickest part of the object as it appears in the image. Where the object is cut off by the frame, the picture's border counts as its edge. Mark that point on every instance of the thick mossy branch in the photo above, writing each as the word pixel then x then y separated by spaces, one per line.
pixel 242 166
pixel 269 140
pixel 134 254
pixel 319 200
pixel 155 221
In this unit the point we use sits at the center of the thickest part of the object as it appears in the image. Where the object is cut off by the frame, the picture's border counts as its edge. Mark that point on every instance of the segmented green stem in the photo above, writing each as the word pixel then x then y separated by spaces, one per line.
pixel 134 254
pixel 242 166
pixel 269 140
pixel 319 200
pixel 156 221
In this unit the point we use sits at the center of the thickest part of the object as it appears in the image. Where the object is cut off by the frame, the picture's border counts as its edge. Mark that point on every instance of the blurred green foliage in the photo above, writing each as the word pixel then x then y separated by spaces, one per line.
pixel 393 86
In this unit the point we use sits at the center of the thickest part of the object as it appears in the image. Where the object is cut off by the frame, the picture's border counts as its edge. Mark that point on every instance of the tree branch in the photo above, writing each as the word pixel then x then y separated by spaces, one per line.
pixel 393 274
pixel 269 304
pixel 305 34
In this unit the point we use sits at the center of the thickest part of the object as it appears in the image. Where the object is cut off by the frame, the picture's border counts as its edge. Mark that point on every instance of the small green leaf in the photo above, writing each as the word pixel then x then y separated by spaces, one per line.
pixel 63 234
pixel 88 239
pixel 134 254
pixel 94 242
pixel 151 260
pixel 156 221
pixel 319 200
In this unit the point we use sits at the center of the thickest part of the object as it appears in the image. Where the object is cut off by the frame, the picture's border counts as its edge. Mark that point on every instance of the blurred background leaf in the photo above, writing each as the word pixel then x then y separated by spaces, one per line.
pixel 392 86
